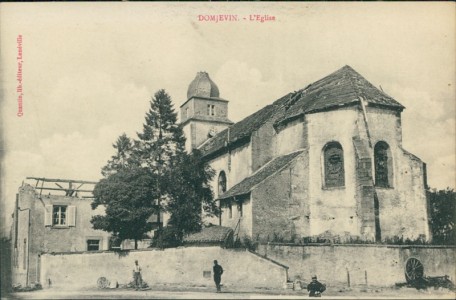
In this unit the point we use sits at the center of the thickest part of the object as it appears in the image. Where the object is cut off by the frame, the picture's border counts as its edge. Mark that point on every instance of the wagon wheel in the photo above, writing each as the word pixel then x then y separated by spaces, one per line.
pixel 413 270
pixel 102 282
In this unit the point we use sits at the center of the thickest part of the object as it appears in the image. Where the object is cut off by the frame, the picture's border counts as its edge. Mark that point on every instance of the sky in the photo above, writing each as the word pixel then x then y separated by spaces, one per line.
pixel 90 69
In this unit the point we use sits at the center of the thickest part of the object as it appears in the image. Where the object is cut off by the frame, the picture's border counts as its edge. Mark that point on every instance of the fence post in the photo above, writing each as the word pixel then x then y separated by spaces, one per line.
pixel 348 278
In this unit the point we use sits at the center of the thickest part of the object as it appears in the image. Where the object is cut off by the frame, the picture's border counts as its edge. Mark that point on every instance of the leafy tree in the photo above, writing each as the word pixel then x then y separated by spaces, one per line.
pixel 443 216
pixel 152 174
pixel 189 193
pixel 126 196
pixel 169 237
pixel 122 158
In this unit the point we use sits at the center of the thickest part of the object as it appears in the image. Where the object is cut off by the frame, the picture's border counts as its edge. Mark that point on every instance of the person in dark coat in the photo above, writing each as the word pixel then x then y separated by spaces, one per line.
pixel 218 271
pixel 315 288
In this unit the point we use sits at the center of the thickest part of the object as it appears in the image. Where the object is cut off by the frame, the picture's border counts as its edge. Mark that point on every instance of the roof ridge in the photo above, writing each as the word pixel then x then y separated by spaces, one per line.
pixel 312 87
pixel 354 86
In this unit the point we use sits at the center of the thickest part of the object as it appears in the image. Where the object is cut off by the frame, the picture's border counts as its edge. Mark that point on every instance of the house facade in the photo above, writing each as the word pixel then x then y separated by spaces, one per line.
pixel 45 223
pixel 325 160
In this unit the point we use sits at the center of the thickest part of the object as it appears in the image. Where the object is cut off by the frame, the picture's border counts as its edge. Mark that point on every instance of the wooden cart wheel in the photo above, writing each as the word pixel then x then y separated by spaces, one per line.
pixel 414 270
pixel 102 282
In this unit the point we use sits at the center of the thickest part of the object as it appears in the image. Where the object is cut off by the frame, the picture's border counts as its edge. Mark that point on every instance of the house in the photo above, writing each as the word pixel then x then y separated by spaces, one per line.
pixel 327 159
pixel 45 223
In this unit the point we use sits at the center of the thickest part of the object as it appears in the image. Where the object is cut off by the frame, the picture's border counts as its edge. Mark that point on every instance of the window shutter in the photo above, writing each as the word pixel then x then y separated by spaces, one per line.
pixel 48 215
pixel 71 215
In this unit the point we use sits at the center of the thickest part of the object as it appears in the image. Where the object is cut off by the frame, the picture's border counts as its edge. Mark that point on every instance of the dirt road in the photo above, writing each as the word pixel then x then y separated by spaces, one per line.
pixel 170 292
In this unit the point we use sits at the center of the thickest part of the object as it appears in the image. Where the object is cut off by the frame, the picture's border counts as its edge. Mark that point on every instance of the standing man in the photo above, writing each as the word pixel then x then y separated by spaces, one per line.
pixel 137 275
pixel 218 271
pixel 315 288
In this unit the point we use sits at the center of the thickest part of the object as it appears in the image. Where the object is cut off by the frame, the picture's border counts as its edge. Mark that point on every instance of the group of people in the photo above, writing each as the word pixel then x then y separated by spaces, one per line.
pixel 315 288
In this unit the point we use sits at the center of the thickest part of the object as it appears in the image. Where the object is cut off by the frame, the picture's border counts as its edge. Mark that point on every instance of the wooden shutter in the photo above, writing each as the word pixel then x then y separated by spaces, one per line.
pixel 71 215
pixel 48 215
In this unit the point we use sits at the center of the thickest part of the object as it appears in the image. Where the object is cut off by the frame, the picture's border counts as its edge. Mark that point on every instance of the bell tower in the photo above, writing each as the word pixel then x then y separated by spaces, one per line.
pixel 204 113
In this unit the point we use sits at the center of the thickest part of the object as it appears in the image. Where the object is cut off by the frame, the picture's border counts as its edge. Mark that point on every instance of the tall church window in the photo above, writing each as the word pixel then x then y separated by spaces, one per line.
pixel 383 165
pixel 334 165
pixel 221 183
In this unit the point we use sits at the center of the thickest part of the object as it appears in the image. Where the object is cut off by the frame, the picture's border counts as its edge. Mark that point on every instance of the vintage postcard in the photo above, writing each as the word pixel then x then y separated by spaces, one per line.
pixel 228 150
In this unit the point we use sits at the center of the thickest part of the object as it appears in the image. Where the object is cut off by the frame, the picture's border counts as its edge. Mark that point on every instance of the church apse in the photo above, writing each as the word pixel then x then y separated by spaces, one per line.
pixel 356 179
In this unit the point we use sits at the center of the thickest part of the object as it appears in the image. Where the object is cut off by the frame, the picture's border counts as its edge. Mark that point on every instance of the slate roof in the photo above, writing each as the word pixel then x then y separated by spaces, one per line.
pixel 341 88
pixel 213 234
pixel 243 128
pixel 249 183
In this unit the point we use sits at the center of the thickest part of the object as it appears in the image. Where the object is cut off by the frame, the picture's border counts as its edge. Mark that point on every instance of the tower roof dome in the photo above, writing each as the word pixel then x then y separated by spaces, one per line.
pixel 202 86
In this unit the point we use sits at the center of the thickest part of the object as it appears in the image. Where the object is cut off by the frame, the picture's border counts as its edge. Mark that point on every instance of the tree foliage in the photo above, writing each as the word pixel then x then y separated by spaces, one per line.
pixel 154 174
pixel 189 193
pixel 122 157
pixel 443 216
pixel 126 195
pixel 162 138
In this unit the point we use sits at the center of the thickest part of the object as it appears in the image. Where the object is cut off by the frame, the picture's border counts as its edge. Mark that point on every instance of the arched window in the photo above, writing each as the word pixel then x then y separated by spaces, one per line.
pixel 334 165
pixel 221 183
pixel 383 165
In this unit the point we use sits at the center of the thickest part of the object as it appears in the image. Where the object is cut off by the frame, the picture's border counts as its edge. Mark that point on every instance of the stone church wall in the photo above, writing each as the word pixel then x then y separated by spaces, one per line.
pixel 241 164
pixel 262 142
pixel 236 165
pixel 403 206
pixel 239 218
pixel 403 210
pixel 341 210
pixel 290 138
pixel 280 203
pixel 332 208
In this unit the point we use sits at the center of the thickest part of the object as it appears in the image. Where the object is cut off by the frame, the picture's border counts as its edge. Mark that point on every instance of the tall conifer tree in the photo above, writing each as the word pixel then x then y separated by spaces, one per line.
pixel 160 143
pixel 162 138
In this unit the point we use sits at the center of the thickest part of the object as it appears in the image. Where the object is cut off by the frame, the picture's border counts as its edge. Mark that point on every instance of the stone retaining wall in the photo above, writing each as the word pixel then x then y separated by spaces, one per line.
pixel 381 265
pixel 190 266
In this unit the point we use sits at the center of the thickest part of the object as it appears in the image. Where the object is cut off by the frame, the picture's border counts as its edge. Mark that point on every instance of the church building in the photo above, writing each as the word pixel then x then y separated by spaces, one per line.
pixel 324 160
